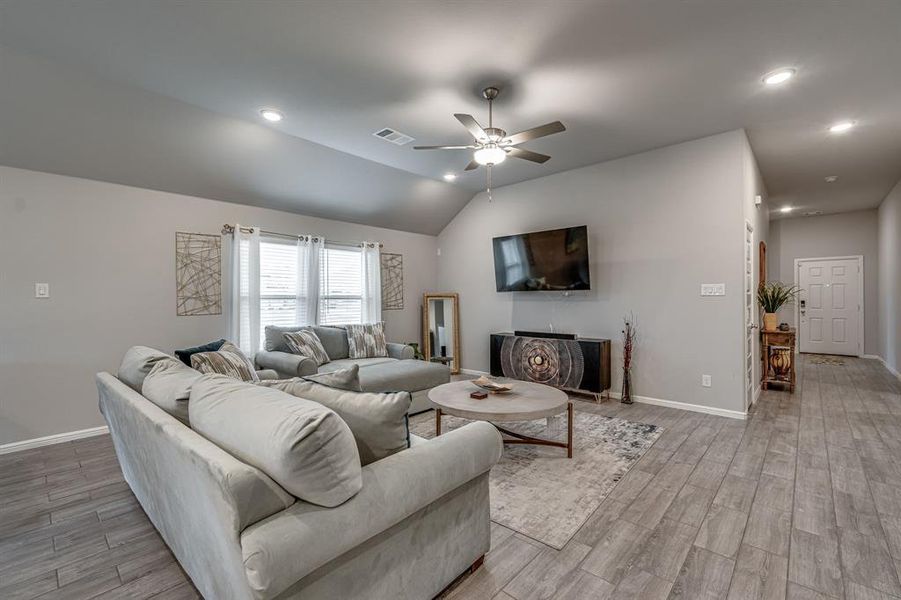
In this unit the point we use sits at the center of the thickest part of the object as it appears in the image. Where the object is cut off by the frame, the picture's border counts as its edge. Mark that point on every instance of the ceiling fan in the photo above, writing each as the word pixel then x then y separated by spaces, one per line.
pixel 492 145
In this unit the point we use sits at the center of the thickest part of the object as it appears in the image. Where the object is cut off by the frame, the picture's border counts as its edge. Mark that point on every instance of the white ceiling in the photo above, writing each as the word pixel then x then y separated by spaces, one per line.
pixel 623 76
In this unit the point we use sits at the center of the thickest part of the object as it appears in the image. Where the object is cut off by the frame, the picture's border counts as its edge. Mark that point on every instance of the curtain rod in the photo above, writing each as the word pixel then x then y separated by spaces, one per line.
pixel 228 229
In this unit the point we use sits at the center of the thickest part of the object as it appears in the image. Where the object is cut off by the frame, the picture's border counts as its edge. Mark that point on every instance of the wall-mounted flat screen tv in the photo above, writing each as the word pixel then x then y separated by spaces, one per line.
pixel 555 260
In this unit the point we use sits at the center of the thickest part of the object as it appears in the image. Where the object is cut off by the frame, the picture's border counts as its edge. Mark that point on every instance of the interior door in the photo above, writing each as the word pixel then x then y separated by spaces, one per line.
pixel 829 306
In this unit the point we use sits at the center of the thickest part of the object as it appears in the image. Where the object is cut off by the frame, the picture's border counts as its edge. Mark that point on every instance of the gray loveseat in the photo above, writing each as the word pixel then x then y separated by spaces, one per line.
pixel 420 518
pixel 397 372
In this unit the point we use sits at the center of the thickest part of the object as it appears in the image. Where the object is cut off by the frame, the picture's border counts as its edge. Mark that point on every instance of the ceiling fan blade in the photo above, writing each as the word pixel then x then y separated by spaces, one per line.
pixel 528 155
pixel 443 147
pixel 472 125
pixel 472 166
pixel 536 132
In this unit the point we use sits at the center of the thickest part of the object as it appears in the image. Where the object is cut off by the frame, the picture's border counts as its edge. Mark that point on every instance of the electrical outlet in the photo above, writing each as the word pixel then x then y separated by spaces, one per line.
pixel 706 380
pixel 42 290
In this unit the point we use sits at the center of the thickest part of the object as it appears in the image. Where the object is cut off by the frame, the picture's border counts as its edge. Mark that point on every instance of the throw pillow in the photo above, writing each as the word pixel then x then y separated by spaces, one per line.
pixel 185 355
pixel 366 341
pixel 228 360
pixel 378 420
pixel 341 379
pixel 306 343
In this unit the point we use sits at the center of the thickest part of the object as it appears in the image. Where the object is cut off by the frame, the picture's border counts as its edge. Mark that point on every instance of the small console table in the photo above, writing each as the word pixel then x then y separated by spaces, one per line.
pixel 771 343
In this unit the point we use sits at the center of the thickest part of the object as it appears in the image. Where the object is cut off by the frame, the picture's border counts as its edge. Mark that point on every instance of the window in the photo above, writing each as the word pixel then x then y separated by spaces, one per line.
pixel 283 281
pixel 340 285
pixel 279 301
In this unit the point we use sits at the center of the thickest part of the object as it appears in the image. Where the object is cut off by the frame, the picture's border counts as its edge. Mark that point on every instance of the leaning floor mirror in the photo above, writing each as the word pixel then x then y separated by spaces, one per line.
pixel 441 329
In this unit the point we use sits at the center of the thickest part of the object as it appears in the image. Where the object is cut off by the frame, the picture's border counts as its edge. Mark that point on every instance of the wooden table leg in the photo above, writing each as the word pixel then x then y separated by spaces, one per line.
pixel 569 430
pixel 437 422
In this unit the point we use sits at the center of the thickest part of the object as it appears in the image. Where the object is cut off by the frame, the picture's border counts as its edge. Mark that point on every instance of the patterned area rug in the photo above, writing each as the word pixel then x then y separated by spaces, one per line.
pixel 540 493
pixel 821 359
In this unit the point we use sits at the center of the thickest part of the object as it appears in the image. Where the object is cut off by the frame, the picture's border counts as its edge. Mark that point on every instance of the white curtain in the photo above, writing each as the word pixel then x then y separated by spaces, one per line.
pixel 372 283
pixel 309 248
pixel 244 306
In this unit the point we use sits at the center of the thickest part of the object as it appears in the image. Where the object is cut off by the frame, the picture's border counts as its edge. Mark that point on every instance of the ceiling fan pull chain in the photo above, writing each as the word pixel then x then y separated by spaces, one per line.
pixel 488 168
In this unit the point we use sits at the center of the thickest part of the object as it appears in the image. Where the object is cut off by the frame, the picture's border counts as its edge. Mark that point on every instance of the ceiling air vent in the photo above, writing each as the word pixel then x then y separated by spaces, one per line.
pixel 393 136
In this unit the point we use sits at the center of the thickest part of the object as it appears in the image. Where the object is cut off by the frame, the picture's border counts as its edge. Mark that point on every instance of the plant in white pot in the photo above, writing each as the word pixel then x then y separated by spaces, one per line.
pixel 773 296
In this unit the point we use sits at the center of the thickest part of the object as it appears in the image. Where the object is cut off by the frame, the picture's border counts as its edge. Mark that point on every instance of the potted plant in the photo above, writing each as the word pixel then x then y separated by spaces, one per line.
pixel 773 296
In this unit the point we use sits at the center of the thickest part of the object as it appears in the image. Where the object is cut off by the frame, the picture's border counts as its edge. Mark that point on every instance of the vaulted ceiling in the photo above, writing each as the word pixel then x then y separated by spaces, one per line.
pixel 165 94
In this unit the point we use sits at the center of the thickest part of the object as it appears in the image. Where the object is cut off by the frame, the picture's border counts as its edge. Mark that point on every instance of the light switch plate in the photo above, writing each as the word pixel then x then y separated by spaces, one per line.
pixel 42 290
pixel 706 380
pixel 713 289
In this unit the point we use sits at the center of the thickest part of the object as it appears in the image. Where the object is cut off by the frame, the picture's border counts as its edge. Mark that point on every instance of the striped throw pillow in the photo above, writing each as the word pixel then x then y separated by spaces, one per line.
pixel 228 360
pixel 306 343
pixel 366 341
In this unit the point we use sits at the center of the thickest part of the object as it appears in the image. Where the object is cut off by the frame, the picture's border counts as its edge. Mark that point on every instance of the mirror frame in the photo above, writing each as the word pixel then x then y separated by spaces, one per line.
pixel 426 345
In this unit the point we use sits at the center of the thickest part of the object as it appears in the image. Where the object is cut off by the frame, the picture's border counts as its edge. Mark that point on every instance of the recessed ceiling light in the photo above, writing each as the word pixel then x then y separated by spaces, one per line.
pixel 786 209
pixel 831 179
pixel 841 126
pixel 449 177
pixel 778 76
pixel 270 114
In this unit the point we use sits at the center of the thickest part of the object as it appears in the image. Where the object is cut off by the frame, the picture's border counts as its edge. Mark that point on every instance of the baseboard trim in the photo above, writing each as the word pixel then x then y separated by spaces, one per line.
pixel 49 440
pixel 709 410
pixel 888 367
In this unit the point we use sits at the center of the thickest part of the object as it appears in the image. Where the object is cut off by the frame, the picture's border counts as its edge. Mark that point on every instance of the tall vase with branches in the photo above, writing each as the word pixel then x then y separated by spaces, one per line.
pixel 629 335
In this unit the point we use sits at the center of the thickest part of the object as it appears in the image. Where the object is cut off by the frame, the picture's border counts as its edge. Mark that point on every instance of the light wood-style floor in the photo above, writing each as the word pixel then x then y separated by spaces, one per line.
pixel 801 501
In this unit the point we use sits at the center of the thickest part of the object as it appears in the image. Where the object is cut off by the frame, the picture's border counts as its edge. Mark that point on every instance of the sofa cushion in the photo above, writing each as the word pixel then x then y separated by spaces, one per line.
pixel 168 385
pixel 403 375
pixel 137 364
pixel 228 360
pixel 274 340
pixel 301 444
pixel 340 379
pixel 346 363
pixel 378 421
pixel 366 341
pixel 306 343
pixel 185 355
pixel 334 340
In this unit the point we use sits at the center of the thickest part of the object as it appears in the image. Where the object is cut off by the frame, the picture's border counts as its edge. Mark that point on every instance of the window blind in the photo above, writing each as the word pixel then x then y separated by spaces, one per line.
pixel 340 285
pixel 278 284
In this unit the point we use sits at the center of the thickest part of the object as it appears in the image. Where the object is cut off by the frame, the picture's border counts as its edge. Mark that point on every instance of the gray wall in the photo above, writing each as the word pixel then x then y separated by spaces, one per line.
pixel 107 252
pixel 890 279
pixel 843 234
pixel 660 224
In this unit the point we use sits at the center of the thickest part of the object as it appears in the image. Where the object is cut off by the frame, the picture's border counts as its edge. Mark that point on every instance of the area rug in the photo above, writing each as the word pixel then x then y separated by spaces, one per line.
pixel 540 493
pixel 820 359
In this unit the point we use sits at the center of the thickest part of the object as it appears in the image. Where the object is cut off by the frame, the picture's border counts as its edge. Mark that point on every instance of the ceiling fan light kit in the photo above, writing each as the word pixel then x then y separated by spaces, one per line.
pixel 492 145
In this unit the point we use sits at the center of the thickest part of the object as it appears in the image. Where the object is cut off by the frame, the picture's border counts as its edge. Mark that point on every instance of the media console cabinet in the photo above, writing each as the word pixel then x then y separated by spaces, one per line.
pixel 560 360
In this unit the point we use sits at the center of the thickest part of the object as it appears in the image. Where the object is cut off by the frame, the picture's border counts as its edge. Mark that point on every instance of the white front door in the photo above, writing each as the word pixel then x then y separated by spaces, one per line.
pixel 829 307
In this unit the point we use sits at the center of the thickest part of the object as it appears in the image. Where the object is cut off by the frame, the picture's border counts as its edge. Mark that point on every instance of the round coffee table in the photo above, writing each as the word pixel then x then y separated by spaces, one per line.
pixel 527 401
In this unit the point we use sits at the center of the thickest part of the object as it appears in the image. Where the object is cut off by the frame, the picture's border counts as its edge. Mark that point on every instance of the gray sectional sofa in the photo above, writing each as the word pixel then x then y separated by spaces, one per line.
pixel 414 521
pixel 393 373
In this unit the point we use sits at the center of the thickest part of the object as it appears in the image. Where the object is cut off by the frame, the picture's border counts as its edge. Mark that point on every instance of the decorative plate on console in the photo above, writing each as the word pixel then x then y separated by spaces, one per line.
pixel 490 385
